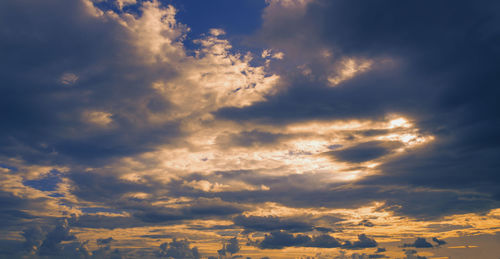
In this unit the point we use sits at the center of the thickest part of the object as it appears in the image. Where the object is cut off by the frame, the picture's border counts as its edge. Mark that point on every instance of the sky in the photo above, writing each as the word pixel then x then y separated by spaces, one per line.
pixel 249 129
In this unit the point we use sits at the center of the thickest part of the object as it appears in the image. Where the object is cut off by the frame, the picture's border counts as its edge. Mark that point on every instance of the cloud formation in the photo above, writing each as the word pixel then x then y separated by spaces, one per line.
pixel 281 239
pixel 320 126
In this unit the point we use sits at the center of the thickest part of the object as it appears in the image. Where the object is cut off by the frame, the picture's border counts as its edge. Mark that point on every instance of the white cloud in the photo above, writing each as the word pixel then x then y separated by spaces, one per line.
pixel 348 68
pixel 99 118
pixel 68 79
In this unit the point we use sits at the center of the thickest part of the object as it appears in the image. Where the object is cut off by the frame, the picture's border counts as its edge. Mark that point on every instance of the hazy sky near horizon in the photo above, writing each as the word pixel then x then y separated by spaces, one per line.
pixel 249 129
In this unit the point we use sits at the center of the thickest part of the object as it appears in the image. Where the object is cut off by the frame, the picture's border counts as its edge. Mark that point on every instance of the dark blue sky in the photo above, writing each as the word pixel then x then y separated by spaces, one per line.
pixel 235 17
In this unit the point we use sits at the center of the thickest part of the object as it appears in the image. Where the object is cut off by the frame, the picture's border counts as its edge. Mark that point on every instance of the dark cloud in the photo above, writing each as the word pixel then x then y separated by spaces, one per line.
pixel 419 243
pixel 107 222
pixel 99 186
pixel 324 241
pixel 412 254
pixel 104 241
pixel 300 190
pixel 366 223
pixel 15 211
pixel 249 138
pixel 442 73
pixel 322 229
pixel 365 151
pixel 178 249
pixel 33 238
pixel 232 246
pixel 271 223
pixel 281 239
pixel 11 248
pixel 202 208
pixel 362 242
pixel 104 250
pixel 57 242
pixel 43 115
pixel 157 236
pixel 52 243
pixel 438 241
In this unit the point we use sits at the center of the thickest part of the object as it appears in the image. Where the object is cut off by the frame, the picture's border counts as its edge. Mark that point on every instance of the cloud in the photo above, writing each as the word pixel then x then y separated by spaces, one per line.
pixel 324 241
pixel 281 239
pixel 15 210
pixel 33 238
pixel 104 250
pixel 232 246
pixel 366 223
pixel 116 113
pixel 58 242
pixel 201 208
pixel 362 242
pixel 412 254
pixel 105 115
pixel 249 138
pixel 270 223
pixel 439 242
pixel 96 67
pixel 419 243
pixel 68 79
pixel 104 241
pixel 365 151
pixel 178 249
pixel 405 70
pixel 51 245
pixel 107 222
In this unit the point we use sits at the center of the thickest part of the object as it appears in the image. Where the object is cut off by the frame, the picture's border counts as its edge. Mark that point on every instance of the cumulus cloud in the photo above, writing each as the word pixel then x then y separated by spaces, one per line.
pixel 438 241
pixel 51 245
pixel 419 243
pixel 232 246
pixel 178 249
pixel 33 238
pixel 281 239
pixel 59 242
pixel 107 114
pixel 104 250
pixel 362 242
